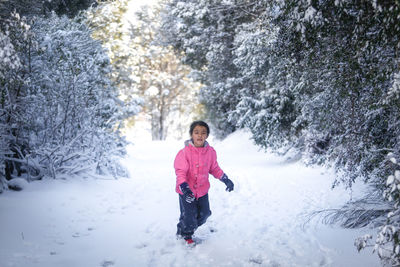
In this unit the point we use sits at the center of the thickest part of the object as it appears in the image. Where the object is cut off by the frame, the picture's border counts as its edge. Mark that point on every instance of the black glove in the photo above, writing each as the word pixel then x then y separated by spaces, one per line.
pixel 227 182
pixel 188 194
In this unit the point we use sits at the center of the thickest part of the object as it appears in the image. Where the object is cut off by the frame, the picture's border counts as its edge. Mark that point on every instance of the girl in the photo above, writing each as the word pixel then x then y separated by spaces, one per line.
pixel 192 165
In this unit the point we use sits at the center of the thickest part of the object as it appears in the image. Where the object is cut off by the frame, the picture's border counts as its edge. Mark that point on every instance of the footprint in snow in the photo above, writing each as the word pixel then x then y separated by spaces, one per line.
pixel 77 234
pixel 107 263
pixel 256 260
pixel 141 245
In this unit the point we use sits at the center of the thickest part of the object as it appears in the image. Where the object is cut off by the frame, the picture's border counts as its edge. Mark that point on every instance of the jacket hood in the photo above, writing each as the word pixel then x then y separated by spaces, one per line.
pixel 190 142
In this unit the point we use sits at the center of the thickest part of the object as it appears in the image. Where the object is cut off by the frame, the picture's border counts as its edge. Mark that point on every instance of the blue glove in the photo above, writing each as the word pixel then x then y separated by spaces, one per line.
pixel 188 194
pixel 227 182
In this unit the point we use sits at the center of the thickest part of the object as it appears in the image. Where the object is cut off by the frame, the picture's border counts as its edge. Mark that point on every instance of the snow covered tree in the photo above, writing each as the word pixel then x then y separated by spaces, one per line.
pixel 22 7
pixel 15 44
pixel 109 25
pixel 205 32
pixel 348 62
pixel 161 79
pixel 44 7
pixel 69 7
pixel 349 92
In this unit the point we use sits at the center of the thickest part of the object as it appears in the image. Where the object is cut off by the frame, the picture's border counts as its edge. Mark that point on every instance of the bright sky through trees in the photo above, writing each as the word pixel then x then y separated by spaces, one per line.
pixel 134 5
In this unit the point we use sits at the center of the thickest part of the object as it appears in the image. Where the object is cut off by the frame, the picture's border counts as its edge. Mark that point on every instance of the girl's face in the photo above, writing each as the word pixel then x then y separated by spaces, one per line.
pixel 199 136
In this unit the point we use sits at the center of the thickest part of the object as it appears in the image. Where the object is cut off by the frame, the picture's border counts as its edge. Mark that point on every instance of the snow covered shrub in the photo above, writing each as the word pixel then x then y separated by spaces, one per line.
pixel 387 242
pixel 59 111
pixel 71 91
pixel 17 184
pixel 388 239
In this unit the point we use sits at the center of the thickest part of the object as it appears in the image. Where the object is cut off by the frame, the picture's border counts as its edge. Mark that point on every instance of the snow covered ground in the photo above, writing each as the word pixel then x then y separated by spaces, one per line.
pixel 132 222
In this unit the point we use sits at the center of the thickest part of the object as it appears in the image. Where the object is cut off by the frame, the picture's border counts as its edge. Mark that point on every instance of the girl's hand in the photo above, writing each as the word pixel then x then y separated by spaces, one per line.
pixel 229 184
pixel 189 196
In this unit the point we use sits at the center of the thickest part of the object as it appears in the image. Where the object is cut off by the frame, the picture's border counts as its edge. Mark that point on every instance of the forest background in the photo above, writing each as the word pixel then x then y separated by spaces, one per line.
pixel 319 79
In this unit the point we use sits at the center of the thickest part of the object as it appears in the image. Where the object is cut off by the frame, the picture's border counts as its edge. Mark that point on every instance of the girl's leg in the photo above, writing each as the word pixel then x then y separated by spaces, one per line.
pixel 203 208
pixel 188 218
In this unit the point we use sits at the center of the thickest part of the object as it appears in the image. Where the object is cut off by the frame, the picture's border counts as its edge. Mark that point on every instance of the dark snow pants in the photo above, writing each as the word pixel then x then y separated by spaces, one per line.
pixel 192 215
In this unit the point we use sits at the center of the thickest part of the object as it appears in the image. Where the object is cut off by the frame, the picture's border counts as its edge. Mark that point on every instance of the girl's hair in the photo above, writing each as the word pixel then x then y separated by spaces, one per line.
pixel 199 123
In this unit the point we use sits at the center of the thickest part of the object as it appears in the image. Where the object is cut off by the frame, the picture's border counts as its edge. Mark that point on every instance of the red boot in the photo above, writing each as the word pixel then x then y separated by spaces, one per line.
pixel 189 241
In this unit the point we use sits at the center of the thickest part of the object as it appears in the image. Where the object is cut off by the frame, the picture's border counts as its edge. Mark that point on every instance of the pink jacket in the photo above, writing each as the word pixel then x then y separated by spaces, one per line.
pixel 193 164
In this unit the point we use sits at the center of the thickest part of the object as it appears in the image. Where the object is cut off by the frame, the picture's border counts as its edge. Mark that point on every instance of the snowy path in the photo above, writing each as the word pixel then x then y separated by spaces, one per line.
pixel 132 222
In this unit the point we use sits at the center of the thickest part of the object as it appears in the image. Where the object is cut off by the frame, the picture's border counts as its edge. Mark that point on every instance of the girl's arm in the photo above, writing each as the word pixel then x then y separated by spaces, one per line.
pixel 181 167
pixel 215 170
